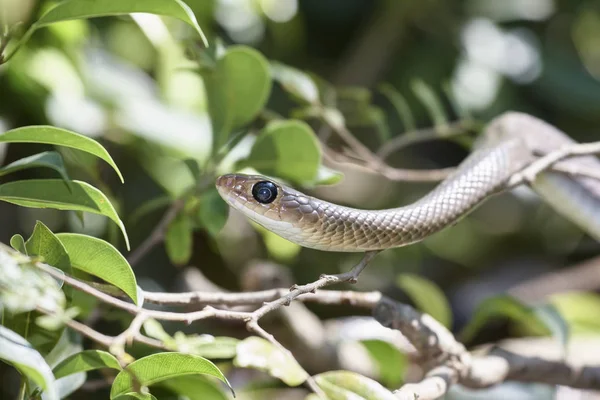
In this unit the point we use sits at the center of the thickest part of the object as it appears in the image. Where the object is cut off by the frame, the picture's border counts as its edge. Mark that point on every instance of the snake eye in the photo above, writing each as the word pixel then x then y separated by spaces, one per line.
pixel 264 192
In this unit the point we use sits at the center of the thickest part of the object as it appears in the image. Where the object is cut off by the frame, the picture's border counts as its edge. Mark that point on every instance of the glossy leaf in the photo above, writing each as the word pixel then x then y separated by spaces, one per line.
pixel 213 212
pixel 78 9
pixel 237 88
pixel 427 296
pixel 58 137
pixel 341 385
pixel 101 259
pixel 86 360
pixel 48 159
pixel 194 387
pixel 255 352
pixel 44 243
pixel 179 240
pixel 162 366
pixel 287 149
pixel 18 352
pixel 296 82
pixel 52 193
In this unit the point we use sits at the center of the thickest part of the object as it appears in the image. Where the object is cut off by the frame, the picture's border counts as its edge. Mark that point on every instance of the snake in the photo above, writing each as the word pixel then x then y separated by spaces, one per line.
pixel 509 143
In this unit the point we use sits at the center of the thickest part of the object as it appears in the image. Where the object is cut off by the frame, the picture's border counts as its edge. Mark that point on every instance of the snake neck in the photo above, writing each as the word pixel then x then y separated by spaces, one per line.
pixel 336 228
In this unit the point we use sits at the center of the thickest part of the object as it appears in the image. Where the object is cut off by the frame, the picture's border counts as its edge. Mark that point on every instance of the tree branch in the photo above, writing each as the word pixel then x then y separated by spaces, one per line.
pixel 447 362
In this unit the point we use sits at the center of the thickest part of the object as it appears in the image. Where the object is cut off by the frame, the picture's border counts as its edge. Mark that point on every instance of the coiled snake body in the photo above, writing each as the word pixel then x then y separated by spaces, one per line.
pixel 509 144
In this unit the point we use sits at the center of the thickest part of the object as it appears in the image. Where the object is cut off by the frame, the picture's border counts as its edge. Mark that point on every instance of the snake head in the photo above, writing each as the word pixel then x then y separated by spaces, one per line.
pixel 278 208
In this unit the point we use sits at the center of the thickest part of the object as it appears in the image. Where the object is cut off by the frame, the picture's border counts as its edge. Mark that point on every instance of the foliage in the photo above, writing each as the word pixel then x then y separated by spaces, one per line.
pixel 113 142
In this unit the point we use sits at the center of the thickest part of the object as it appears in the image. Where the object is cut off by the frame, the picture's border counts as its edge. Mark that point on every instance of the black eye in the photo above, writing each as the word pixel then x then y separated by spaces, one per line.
pixel 264 192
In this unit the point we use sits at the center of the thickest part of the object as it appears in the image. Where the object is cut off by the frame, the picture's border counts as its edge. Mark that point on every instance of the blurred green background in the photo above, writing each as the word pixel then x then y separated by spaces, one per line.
pixel 129 83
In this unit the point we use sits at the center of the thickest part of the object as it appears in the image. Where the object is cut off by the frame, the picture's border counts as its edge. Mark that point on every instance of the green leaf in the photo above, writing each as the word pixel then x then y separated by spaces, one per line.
pixel 86 360
pixel 578 309
pixel 431 102
pixel 78 9
pixel 296 82
pixel 427 296
pixel 237 89
pixel 101 259
pixel 213 212
pixel 207 346
pixel 500 306
pixel 258 353
pixel 288 149
pixel 18 352
pixel 328 176
pixel 59 137
pixel 44 243
pixel 342 385
pixel 52 193
pixel 48 159
pixel 135 396
pixel 18 243
pixel 195 387
pixel 401 105
pixel 162 366
pixel 392 363
pixel 179 240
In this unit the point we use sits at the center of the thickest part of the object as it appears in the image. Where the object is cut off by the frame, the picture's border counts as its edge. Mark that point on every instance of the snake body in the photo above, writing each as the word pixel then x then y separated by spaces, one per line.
pixel 500 153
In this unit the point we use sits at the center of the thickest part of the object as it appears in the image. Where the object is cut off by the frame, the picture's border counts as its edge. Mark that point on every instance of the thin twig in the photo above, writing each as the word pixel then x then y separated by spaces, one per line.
pixel 546 162
pixel 158 234
pixel 446 131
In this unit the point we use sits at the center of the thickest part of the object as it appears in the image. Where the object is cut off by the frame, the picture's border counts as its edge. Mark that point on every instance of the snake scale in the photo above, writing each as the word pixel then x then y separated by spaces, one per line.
pixel 509 143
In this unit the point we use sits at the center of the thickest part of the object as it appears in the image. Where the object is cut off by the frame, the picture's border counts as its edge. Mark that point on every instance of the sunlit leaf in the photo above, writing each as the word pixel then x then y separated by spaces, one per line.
pixel 237 88
pixel 328 176
pixel 162 366
pixel 207 346
pixel 427 296
pixel 341 385
pixel 212 212
pixel 178 239
pixel 44 243
pixel 288 149
pixel 48 159
pixel 295 82
pixel 101 259
pixel 58 137
pixel 78 9
pixel 255 352
pixel 86 360
pixel 578 309
pixel 52 193
pixel 18 352
pixel 195 387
